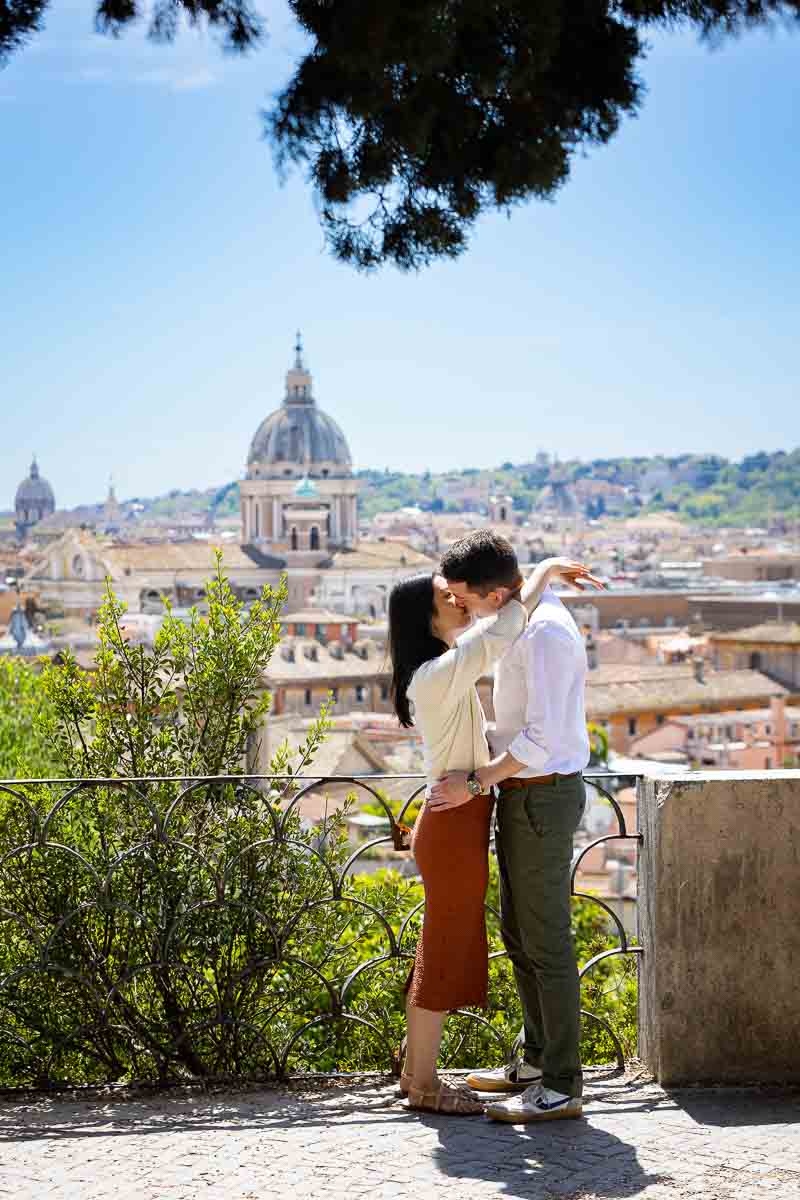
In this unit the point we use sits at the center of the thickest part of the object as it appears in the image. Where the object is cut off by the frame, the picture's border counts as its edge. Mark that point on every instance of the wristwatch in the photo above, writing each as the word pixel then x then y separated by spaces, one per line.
pixel 474 786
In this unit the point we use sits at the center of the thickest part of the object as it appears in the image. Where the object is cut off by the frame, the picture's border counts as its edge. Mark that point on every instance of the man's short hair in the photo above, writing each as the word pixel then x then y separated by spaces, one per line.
pixel 483 560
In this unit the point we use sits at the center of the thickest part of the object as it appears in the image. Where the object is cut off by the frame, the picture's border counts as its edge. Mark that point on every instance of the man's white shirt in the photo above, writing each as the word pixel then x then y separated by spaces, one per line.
pixel 539 694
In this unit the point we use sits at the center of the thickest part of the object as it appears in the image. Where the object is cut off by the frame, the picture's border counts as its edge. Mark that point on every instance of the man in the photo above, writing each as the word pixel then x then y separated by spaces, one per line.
pixel 540 747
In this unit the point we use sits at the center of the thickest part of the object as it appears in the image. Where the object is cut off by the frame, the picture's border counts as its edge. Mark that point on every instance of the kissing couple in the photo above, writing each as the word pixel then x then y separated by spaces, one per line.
pixel 447 631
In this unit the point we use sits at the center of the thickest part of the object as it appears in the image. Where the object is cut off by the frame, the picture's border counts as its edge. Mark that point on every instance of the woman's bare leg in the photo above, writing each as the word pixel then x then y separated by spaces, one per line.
pixel 423 1039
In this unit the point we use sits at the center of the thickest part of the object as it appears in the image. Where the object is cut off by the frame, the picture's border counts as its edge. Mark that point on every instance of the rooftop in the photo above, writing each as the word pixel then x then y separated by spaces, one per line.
pixel 317 616
pixel 313 663
pixel 381 556
pixel 674 688
pixel 752 716
pixel 787 634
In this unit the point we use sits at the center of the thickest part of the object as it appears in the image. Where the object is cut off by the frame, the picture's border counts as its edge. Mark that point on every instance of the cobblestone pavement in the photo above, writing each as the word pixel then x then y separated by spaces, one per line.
pixel 350 1140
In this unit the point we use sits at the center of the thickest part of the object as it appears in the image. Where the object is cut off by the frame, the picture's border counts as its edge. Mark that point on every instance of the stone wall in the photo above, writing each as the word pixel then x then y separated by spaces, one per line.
pixel 719 918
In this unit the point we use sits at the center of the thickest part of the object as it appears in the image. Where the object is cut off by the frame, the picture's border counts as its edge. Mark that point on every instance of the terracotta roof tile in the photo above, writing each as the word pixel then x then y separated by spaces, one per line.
pixel 680 689
pixel 779 634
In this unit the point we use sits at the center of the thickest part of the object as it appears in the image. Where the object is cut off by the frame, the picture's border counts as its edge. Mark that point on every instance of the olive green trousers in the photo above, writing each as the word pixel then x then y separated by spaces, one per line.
pixel 534 838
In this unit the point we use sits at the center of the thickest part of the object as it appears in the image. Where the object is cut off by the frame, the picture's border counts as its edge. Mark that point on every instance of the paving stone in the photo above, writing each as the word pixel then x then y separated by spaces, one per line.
pixel 355 1140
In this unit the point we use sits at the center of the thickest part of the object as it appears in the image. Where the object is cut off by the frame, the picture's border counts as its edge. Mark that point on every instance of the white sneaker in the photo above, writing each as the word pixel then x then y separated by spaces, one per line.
pixel 514 1077
pixel 537 1103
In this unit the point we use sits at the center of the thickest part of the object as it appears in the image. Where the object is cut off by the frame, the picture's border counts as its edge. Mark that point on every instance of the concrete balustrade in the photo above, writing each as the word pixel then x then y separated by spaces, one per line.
pixel 719 917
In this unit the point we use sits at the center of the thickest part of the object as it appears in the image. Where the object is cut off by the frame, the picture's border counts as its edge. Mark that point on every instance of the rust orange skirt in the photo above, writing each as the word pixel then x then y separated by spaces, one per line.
pixel 451 849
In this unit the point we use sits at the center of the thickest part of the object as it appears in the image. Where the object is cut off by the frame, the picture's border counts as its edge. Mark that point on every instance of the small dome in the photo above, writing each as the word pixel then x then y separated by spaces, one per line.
pixel 35 492
pixel 306 489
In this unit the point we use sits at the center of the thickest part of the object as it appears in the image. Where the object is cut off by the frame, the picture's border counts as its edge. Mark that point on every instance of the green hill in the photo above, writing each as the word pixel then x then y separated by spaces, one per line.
pixel 761 489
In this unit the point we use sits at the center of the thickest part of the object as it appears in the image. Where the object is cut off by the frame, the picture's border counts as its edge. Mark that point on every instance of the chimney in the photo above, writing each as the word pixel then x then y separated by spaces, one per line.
pixel 699 665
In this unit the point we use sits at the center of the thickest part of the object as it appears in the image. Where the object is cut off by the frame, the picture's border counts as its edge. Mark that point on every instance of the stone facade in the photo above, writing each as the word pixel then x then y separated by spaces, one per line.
pixel 718 917
pixel 299 497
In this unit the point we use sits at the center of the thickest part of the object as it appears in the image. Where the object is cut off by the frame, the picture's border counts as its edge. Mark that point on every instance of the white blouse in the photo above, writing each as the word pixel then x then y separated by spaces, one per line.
pixel 447 710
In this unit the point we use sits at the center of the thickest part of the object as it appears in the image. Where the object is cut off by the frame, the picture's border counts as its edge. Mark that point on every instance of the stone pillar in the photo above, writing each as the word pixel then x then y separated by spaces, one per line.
pixel 277 525
pixel 719 919
pixel 336 520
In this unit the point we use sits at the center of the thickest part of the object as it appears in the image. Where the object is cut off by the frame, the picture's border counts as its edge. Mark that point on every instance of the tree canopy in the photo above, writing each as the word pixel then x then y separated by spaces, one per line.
pixel 412 117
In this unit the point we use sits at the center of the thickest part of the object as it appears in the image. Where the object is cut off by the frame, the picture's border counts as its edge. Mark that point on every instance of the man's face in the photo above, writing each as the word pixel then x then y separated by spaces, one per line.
pixel 474 603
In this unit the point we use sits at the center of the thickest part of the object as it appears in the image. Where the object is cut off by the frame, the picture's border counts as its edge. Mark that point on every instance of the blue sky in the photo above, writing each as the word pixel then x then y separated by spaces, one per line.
pixel 153 271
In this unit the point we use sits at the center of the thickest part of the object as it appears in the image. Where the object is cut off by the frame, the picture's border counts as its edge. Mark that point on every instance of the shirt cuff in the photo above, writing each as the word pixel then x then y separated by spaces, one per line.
pixel 525 750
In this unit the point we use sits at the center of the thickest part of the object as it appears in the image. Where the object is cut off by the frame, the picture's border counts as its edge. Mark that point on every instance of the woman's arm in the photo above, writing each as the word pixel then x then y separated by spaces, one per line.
pixel 555 568
pixel 453 673
pixel 449 677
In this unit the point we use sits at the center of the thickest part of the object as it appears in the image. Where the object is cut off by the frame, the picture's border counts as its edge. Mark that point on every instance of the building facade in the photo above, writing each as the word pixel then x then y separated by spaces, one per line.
pixel 299 497
pixel 771 648
pixel 33 502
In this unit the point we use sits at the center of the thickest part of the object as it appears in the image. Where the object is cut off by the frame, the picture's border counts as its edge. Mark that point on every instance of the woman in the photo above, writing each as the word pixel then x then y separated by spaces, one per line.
pixel 439 676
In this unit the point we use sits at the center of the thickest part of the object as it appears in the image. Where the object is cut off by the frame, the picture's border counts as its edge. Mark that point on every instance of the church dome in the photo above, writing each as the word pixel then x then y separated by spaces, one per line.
pixel 299 434
pixel 35 494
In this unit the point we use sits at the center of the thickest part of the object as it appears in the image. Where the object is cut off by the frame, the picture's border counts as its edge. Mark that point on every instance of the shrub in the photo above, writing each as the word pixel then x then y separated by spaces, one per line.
pixel 169 917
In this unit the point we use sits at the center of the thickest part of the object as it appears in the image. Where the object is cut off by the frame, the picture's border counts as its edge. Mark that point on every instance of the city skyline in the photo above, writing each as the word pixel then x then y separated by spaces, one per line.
pixel 156 279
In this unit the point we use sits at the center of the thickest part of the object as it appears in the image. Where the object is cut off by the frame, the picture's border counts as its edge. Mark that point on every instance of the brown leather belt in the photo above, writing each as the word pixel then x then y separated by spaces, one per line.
pixel 510 785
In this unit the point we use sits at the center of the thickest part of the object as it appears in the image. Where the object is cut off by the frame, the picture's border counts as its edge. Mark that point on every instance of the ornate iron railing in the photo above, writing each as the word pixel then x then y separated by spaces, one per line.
pixel 163 928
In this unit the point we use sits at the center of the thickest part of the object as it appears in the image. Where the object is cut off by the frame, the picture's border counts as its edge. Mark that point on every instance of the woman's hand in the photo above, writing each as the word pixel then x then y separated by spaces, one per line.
pixel 572 572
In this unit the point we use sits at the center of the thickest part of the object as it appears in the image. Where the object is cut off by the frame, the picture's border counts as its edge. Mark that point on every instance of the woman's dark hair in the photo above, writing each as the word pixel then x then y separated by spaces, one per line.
pixel 411 641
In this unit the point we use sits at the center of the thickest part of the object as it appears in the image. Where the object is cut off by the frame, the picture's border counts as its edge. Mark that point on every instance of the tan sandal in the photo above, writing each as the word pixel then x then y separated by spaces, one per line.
pixel 407 1082
pixel 449 1100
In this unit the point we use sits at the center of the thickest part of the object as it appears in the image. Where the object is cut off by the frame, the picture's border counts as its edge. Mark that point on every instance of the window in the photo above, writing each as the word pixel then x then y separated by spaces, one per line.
pixel 314 538
pixel 690 735
pixel 307 697
pixel 659 719
pixel 360 693
pixel 729 732
pixel 301 630
pixel 384 691
pixel 767 730
pixel 334 695
pixel 768 764
pixel 632 726
pixel 294 539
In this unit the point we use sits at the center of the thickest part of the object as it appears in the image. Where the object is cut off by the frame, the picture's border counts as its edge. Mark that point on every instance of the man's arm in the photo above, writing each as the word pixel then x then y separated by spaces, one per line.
pixel 548 684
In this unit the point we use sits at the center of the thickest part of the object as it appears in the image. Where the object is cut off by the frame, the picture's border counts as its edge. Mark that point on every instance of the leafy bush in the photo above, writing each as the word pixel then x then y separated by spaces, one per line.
pixel 24 749
pixel 185 922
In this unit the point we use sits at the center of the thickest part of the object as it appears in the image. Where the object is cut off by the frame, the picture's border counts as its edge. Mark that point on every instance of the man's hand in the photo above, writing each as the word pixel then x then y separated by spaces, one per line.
pixel 450 792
